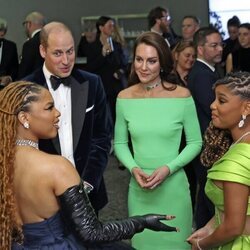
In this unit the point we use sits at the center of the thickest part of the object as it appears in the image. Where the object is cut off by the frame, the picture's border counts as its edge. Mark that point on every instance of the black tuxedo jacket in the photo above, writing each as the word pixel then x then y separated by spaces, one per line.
pixel 200 82
pixel 9 61
pixel 91 130
pixel 31 58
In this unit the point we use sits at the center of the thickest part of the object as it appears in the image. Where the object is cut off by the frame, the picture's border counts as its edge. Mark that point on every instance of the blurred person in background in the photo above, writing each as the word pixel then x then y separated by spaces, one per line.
pixel 159 21
pixel 239 60
pixel 190 24
pixel 8 57
pixel 105 58
pixel 30 57
pixel 184 57
pixel 232 42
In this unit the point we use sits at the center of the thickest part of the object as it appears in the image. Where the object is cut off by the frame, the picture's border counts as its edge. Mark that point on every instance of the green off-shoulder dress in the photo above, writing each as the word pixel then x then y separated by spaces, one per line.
pixel 234 166
pixel 155 126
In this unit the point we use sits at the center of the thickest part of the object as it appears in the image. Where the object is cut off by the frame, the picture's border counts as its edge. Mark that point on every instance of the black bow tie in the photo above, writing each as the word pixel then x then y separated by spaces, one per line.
pixel 56 81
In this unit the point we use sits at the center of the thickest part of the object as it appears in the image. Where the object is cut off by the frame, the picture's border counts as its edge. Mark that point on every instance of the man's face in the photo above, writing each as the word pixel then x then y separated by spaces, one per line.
pixel 59 55
pixel 2 33
pixel 165 21
pixel 211 51
pixel 189 27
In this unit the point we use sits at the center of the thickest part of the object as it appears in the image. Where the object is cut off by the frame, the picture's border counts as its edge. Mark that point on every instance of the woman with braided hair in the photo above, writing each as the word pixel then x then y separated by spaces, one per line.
pixel 43 201
pixel 227 153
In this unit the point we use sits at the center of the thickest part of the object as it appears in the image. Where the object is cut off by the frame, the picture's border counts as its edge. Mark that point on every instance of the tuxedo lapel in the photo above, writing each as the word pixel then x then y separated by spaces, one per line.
pixel 79 97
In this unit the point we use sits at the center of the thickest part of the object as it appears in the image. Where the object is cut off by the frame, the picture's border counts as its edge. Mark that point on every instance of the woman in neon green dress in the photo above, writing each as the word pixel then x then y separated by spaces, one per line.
pixel 228 184
pixel 154 112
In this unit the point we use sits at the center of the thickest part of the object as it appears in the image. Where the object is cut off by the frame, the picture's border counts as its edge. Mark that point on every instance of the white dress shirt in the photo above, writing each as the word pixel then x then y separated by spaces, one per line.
pixel 62 99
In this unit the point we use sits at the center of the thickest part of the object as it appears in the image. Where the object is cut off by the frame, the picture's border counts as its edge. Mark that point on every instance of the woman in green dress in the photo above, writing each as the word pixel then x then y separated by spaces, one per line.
pixel 227 148
pixel 154 111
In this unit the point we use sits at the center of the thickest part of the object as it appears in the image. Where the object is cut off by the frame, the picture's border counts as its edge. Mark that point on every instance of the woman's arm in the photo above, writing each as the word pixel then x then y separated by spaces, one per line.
pixel 229 63
pixel 235 211
pixel 121 147
pixel 193 138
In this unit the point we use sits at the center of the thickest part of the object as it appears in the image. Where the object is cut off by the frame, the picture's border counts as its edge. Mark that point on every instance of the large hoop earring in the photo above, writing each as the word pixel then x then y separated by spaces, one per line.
pixel 242 121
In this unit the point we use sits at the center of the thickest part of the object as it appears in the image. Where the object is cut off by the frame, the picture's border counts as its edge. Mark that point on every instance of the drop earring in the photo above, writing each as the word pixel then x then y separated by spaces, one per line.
pixel 26 125
pixel 242 121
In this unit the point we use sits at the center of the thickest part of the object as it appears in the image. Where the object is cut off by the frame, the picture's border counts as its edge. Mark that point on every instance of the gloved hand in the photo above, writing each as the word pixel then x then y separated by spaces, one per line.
pixel 153 222
pixel 80 216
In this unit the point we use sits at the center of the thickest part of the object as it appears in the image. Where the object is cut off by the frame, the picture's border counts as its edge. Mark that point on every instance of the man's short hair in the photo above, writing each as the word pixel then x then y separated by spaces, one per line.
pixel 3 25
pixel 200 36
pixel 196 19
pixel 154 14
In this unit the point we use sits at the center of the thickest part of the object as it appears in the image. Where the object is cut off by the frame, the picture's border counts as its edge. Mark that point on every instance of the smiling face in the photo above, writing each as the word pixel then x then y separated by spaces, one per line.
pixel 59 55
pixel 147 64
pixel 185 59
pixel 43 117
pixel 226 109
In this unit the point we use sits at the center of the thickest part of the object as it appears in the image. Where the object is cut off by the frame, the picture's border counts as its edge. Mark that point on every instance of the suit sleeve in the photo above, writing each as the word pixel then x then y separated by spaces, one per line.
pixel 26 61
pixel 202 91
pixel 100 140
pixel 201 87
pixel 14 61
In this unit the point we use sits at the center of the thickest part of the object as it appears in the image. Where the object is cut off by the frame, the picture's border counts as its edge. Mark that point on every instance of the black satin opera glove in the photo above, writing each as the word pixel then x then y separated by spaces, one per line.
pixel 80 217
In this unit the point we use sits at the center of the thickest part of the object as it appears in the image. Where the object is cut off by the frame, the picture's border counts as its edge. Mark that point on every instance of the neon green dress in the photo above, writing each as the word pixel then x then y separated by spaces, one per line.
pixel 234 166
pixel 155 126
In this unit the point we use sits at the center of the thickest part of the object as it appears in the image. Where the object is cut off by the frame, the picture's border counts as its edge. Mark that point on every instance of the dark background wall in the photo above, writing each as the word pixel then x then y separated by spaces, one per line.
pixel 71 11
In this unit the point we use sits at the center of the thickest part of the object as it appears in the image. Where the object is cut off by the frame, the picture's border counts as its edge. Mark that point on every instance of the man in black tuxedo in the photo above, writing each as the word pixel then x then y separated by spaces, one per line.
pixel 202 76
pixel 31 58
pixel 84 134
pixel 8 56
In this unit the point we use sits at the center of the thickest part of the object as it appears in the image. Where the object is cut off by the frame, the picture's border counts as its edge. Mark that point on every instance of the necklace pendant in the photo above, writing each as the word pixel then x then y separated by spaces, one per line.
pixel 22 142
pixel 149 87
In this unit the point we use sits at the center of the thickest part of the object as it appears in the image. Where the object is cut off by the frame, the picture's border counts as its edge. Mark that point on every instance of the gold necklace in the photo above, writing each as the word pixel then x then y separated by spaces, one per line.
pixel 238 140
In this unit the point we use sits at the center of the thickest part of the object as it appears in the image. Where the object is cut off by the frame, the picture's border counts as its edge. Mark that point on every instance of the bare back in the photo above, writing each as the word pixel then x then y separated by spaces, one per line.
pixel 39 178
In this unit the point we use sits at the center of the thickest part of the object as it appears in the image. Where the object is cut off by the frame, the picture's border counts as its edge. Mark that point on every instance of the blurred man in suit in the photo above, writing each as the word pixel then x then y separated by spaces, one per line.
pixel 84 134
pixel 159 21
pixel 31 58
pixel 190 24
pixel 8 56
pixel 209 47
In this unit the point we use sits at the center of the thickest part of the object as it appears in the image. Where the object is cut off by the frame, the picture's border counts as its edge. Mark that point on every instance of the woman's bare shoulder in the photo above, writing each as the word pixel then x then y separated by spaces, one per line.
pixel 182 92
pixel 61 172
pixel 128 92
pixel 52 164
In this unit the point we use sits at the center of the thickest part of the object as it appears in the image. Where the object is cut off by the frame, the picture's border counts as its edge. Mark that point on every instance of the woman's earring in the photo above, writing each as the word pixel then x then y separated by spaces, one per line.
pixel 161 70
pixel 242 121
pixel 26 125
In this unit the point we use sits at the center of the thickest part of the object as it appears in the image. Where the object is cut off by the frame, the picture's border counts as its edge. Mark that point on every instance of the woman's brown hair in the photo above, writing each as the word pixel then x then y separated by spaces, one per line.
pixel 165 58
pixel 14 98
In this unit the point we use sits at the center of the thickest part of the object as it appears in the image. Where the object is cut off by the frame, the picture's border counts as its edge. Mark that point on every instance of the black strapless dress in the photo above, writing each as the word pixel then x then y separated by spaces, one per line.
pixel 49 234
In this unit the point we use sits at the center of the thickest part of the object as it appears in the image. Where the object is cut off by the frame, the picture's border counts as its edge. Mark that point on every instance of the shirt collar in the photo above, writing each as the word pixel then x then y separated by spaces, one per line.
pixel 34 32
pixel 209 65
